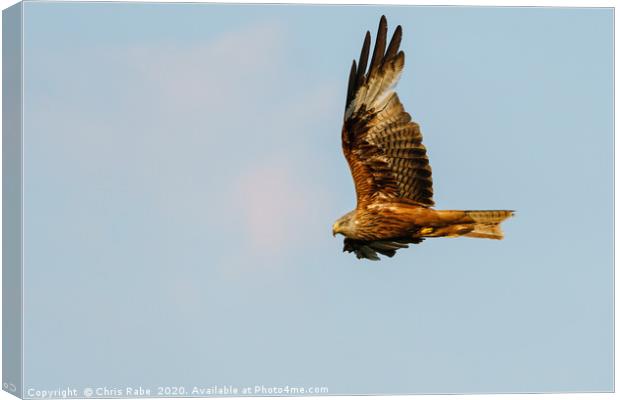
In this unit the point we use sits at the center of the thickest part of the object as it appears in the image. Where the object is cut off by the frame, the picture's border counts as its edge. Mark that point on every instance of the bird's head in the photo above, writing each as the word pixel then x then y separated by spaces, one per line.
pixel 345 225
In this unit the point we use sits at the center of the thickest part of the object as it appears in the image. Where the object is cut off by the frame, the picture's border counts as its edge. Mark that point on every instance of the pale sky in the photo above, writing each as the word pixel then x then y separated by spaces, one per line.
pixel 182 169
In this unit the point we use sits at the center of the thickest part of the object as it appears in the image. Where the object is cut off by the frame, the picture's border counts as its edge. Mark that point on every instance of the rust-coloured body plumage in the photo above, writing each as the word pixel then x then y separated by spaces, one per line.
pixel 389 164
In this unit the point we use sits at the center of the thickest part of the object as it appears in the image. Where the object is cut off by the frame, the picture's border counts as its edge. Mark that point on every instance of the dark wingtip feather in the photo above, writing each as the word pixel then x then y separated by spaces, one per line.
pixel 379 51
pixel 389 253
pixel 351 89
pixel 380 56
pixel 363 61
pixel 394 43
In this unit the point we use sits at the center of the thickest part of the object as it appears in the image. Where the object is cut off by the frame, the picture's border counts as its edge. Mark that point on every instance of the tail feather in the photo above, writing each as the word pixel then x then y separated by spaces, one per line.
pixel 487 223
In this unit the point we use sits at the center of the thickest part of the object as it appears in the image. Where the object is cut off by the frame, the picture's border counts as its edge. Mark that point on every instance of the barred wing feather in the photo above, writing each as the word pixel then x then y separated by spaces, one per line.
pixel 381 143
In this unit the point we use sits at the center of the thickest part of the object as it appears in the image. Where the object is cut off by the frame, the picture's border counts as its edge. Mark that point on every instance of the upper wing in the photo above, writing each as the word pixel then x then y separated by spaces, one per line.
pixel 381 143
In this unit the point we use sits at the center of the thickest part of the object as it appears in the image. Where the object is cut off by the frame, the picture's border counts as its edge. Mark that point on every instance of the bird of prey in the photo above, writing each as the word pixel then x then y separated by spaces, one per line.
pixel 390 168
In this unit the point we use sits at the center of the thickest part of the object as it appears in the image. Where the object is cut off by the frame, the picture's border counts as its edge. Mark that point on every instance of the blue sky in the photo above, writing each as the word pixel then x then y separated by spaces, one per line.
pixel 183 169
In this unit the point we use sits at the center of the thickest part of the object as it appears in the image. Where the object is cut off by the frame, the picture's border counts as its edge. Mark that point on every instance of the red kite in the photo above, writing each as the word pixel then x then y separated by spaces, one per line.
pixel 390 168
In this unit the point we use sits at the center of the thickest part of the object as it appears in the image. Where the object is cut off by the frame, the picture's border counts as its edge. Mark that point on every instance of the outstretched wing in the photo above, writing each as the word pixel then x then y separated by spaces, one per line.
pixel 369 248
pixel 381 143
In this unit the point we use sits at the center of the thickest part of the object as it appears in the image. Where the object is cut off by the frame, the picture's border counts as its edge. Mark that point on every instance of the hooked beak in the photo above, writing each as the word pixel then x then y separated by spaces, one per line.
pixel 334 230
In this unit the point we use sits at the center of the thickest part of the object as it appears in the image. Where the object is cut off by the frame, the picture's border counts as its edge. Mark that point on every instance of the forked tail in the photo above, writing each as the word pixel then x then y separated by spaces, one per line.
pixel 487 223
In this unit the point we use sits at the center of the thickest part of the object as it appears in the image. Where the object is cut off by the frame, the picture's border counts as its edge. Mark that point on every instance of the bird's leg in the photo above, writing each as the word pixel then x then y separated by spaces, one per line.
pixel 446 231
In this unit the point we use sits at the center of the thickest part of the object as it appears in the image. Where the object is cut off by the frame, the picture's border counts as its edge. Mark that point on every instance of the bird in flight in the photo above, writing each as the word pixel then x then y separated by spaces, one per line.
pixel 390 168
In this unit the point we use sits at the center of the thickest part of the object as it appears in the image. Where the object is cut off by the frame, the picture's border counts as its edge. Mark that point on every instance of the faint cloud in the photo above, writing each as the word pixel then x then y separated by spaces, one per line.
pixel 275 206
pixel 214 74
pixel 216 138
